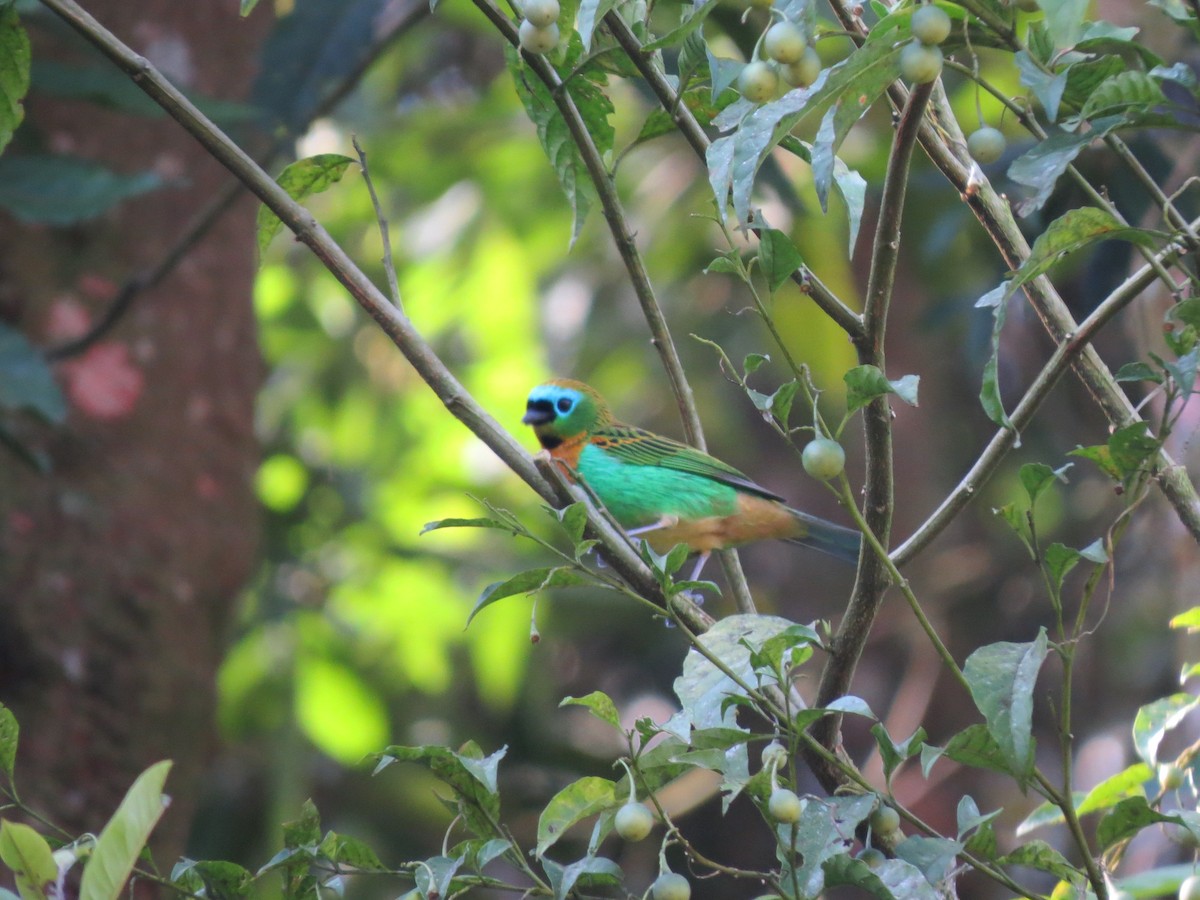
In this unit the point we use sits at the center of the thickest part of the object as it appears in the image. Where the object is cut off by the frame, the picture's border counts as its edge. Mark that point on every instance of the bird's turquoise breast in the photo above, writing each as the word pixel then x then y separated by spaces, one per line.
pixel 641 494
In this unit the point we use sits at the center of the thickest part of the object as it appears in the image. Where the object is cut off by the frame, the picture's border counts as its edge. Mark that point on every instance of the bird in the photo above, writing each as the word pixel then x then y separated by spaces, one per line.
pixel 664 490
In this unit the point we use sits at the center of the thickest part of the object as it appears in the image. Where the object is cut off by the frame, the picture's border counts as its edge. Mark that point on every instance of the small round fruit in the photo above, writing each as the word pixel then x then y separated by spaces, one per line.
pixel 774 754
pixel 671 886
pixel 804 71
pixel 540 12
pixel 538 40
pixel 1190 889
pixel 823 458
pixel 931 25
pixel 885 820
pixel 986 145
pixel 758 81
pixel 920 64
pixel 872 857
pixel 784 806
pixel 784 42
pixel 634 821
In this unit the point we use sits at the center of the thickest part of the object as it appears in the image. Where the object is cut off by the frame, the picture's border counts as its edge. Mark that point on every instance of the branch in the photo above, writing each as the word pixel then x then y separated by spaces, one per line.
pixel 618 551
pixel 825 299
pixel 1056 366
pixel 878 504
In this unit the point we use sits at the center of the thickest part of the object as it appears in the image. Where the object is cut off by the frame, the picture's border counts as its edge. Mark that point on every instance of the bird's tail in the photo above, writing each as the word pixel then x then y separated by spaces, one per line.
pixel 835 540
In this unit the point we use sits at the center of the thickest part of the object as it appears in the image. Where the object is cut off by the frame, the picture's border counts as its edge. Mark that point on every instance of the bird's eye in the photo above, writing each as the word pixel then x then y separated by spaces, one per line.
pixel 564 405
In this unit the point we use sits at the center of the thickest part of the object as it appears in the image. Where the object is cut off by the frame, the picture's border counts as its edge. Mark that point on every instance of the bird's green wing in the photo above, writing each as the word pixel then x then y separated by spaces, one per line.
pixel 638 447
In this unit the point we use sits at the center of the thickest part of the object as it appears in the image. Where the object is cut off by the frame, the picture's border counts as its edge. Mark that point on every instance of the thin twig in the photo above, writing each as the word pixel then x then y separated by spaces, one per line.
pixel 389 265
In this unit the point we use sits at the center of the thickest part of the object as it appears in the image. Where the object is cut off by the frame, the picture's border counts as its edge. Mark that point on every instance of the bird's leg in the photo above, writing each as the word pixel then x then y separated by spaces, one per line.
pixel 664 522
pixel 699 567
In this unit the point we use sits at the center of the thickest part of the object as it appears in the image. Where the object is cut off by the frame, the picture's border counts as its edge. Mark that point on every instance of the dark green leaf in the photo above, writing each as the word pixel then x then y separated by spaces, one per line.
pixel 1002 677
pixel 780 651
pixel 753 362
pixel 14 73
pixel 435 876
pixel 724 265
pixel 1060 559
pixel 1040 167
pixel 1041 856
pixel 825 830
pixel 892 753
pixel 463 523
pixel 933 856
pixel 574 520
pixel 579 800
pixel 599 704
pixel 471 775
pixel 590 13
pixel 527 582
pixel 1126 819
pixel 989 391
pixel 893 880
pixel 9 732
pixel 1131 447
pixel 1036 477
pixel 63 190
pixel 1072 231
pixel 591 871
pixel 1047 87
pixel 26 381
pixel 220 880
pixel 865 383
pixel 1064 20
pixel 1154 720
pixel 350 852
pixel 1122 91
pixel 778 256
pixel 1138 371
pixel 691 18
pixel 301 179
pixel 1102 457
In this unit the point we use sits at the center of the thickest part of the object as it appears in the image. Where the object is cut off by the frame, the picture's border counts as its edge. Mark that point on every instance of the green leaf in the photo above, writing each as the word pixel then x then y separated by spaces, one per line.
pixel 933 856
pixel 9 732
pixel 865 383
pixel 1064 20
pixel 26 381
pixel 1042 165
pixel 1138 371
pixel 895 879
pixel 1130 782
pixel 63 190
pixel 1002 677
pixel 1122 91
pixel 589 872
pixel 778 404
pixel 14 72
pixel 471 775
pixel 125 835
pixel 1060 559
pixel 702 688
pixel 989 391
pixel 1036 477
pixel 778 256
pixel 591 12
pixel 577 801
pixel 753 362
pixel 435 875
pixel 527 582
pixel 348 851
pixel 301 179
pixel 29 856
pixel 599 704
pixel 825 830
pixel 1041 856
pixel 586 90
pixel 1127 818
pixel 1154 720
pixel 218 879
pixel 464 523
pixel 1046 814
pixel 1047 87
pixel 892 753
pixel 1189 619
pixel 1070 232
pixel 247 7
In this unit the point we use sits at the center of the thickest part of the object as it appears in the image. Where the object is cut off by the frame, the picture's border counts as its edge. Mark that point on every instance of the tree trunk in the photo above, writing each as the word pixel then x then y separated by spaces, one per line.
pixel 119 568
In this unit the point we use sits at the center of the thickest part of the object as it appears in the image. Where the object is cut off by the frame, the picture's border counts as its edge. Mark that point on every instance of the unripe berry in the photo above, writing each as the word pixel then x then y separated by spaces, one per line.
pixel 671 886
pixel 823 458
pixel 784 42
pixel 538 40
pixel 1190 889
pixel 920 64
pixel 633 821
pixel 758 81
pixel 540 12
pixel 885 820
pixel 986 145
pixel 931 25
pixel 784 806
pixel 872 857
pixel 774 754
pixel 804 71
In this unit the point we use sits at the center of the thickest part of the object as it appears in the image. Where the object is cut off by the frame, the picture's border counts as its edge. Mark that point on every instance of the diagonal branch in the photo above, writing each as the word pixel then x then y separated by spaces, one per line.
pixel 618 551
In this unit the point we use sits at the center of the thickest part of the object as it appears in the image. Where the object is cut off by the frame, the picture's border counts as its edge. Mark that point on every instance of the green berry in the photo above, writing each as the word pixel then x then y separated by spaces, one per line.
pixel 931 25
pixel 885 820
pixel 541 13
pixel 784 42
pixel 758 81
pixel 774 754
pixel 634 821
pixel 823 458
pixel 986 145
pixel 920 63
pixel 784 806
pixel 804 71
pixel 872 857
pixel 671 886
pixel 1190 889
pixel 538 40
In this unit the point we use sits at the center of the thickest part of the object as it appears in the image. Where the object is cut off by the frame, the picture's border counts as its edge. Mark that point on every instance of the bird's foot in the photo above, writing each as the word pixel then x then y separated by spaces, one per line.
pixel 664 522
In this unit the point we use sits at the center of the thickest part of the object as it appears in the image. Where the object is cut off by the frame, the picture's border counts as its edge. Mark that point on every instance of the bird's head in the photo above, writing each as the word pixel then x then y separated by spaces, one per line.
pixel 563 409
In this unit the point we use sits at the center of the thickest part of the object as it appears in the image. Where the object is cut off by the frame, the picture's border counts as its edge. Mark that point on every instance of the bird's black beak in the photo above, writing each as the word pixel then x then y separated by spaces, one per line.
pixel 538 412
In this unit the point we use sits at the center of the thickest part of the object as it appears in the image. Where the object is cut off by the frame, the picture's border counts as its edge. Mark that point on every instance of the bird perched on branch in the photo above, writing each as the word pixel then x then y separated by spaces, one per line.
pixel 666 491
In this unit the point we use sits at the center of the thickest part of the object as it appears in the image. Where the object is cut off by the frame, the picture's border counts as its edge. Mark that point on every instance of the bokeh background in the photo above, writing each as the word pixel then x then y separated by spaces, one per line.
pixel 339 628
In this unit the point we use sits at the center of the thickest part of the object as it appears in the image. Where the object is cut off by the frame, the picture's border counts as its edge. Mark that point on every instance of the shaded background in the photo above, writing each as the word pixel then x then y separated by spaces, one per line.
pixel 223 565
